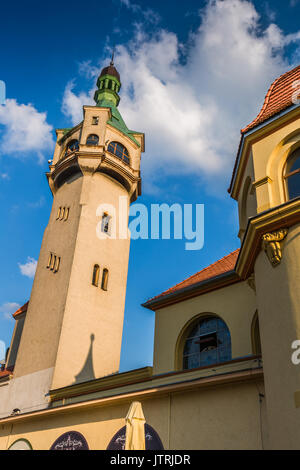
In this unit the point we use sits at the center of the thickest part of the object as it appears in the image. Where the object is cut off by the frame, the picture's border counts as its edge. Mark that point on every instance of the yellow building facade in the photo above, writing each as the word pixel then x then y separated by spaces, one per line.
pixel 223 374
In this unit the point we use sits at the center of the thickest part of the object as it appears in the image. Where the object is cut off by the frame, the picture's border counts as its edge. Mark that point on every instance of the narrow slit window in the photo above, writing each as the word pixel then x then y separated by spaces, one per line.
pixel 96 272
pixel 104 279
pixel 56 264
pixel 58 213
pixel 105 225
pixel 95 120
pixel 67 212
pixel 53 262
pixel 49 260
pixel 62 215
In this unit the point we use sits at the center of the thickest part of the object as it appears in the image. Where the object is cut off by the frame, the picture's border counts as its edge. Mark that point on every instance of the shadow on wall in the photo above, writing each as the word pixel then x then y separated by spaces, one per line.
pixel 87 371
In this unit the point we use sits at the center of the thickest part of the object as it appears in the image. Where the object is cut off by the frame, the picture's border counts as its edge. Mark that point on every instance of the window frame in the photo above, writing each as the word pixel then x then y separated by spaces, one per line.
pixel 96 275
pixel 104 281
pixel 92 144
pixel 291 159
pixel 125 154
pixel 185 334
pixel 67 148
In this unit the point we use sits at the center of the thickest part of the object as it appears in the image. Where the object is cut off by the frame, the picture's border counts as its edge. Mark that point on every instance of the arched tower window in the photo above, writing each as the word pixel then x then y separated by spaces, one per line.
pixel 106 223
pixel 72 146
pixel 208 342
pixel 96 272
pixel 92 139
pixel 292 175
pixel 104 279
pixel 119 151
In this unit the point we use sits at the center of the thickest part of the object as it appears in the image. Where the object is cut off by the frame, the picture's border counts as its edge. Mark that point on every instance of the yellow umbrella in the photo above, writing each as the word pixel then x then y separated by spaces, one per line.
pixel 135 427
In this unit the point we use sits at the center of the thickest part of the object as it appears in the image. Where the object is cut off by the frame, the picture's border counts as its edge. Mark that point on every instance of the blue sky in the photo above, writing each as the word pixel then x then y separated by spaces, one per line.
pixel 193 74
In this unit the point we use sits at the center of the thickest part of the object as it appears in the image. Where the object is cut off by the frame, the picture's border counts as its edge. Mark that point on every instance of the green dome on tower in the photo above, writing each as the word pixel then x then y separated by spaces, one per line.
pixel 109 85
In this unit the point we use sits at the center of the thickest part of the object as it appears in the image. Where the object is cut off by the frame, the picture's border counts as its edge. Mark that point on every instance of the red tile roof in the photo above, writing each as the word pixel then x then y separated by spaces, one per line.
pixel 4 373
pixel 222 266
pixel 278 98
pixel 21 310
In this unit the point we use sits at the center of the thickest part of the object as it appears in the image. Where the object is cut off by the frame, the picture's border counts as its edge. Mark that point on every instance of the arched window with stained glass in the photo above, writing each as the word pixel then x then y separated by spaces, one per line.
pixel 92 140
pixel 72 146
pixel 119 151
pixel 208 342
pixel 292 175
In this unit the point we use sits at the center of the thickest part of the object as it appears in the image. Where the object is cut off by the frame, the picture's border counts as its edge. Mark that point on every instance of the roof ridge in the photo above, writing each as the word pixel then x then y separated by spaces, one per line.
pixel 267 98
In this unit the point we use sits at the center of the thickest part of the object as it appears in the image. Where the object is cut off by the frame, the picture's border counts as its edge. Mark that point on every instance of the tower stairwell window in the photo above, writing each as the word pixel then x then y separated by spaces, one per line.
pixel 104 279
pixel 208 342
pixel 105 223
pixel 292 175
pixel 72 146
pixel 96 272
pixel 92 139
pixel 119 151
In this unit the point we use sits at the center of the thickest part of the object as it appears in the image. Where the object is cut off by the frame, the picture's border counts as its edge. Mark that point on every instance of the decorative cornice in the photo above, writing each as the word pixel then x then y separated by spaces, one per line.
pixel 261 182
pixel 249 373
pixel 277 218
pixel 272 244
pixel 104 383
pixel 90 162
pixel 254 135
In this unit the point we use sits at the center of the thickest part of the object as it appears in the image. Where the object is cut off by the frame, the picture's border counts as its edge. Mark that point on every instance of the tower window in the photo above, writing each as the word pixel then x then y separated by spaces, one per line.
pixel 92 139
pixel 53 262
pixel 104 279
pixel 95 120
pixel 119 151
pixel 95 279
pixel 292 175
pixel 105 223
pixel 63 213
pixel 67 212
pixel 208 342
pixel 72 146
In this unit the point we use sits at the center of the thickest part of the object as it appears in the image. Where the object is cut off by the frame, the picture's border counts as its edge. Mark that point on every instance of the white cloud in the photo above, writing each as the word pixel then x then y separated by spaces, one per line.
pixel 191 111
pixel 72 103
pixel 4 176
pixel 28 269
pixel 37 204
pixel 24 130
pixel 148 14
pixel 2 350
pixel 8 308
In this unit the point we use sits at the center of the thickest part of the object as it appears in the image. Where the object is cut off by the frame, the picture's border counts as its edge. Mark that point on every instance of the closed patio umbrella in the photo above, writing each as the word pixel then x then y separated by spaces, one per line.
pixel 135 427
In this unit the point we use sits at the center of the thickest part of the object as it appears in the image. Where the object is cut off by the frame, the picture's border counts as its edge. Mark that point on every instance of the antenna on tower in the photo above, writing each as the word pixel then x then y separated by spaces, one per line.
pixel 112 56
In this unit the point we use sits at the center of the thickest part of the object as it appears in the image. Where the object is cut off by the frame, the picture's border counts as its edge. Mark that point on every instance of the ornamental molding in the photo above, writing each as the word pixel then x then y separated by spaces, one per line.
pixel 274 220
pixel 261 182
pixel 251 282
pixel 272 244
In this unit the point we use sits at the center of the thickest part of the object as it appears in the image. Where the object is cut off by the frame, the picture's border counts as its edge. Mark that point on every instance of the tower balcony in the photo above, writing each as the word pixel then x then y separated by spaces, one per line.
pixel 83 162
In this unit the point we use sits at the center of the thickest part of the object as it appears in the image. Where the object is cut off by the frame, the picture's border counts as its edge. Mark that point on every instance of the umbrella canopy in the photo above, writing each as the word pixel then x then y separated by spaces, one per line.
pixel 135 427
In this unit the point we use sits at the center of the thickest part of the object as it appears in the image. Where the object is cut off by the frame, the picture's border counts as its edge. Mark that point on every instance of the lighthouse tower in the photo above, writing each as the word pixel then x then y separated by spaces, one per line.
pixel 73 327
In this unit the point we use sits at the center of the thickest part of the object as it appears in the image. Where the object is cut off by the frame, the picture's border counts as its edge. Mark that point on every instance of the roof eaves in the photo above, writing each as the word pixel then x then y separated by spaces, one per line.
pixel 251 131
pixel 195 289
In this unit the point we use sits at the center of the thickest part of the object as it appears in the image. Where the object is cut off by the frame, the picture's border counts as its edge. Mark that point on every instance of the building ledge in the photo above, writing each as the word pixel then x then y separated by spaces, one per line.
pixel 244 370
